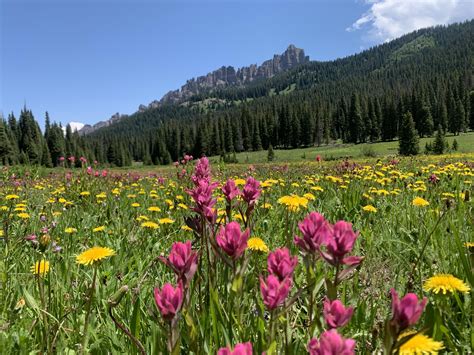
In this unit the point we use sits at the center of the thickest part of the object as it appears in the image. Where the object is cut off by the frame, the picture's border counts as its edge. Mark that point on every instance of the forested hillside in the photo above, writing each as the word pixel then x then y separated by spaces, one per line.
pixel 359 98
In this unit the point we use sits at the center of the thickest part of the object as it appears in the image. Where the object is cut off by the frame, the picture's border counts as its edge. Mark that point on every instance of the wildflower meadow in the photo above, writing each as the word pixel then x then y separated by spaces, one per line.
pixel 339 257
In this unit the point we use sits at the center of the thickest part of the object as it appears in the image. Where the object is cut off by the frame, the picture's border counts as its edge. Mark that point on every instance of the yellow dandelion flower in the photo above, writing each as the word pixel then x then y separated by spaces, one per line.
pixel 239 182
pixel 99 229
pixel 3 208
pixel 70 230
pixel 135 204
pixel 467 244
pixel 11 197
pixel 182 206
pixel 154 209
pixel 317 188
pixel 85 193
pixel 150 225
pixel 419 344
pixel 101 195
pixel 293 202
pixel 309 196
pixel 420 202
pixel 1 233
pixel 94 254
pixel 23 215
pixel 186 228
pixel 142 218
pixel 166 221
pixel 445 283
pixel 267 206
pixel 40 268
pixel 369 208
pixel 257 244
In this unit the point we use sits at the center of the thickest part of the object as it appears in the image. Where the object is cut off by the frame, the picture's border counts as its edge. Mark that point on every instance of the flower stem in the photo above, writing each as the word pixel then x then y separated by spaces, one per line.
pixel 88 311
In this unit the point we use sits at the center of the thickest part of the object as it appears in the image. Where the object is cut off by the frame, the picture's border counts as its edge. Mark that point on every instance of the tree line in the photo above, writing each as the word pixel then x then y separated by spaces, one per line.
pixel 357 99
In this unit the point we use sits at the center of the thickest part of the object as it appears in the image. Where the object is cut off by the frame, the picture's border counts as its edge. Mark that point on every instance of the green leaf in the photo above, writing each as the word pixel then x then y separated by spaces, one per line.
pixel 135 321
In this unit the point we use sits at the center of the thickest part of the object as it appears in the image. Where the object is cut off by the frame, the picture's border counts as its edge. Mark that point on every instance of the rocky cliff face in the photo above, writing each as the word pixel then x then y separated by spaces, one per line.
pixel 227 76
pixel 89 129
pixel 222 77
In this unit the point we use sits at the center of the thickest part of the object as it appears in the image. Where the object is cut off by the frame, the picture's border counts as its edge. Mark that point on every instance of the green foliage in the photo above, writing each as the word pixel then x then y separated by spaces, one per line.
pixel 270 153
pixel 439 144
pixel 408 143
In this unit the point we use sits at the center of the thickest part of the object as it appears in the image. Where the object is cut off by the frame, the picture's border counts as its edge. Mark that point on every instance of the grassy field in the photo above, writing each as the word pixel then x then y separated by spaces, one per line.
pixel 138 263
pixel 337 151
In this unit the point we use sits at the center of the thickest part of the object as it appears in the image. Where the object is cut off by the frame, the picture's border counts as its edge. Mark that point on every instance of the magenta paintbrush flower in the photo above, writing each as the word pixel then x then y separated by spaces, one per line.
pixel 239 349
pixel 203 200
pixel 169 300
pixel 407 311
pixel 281 264
pixel 331 343
pixel 230 190
pixel 251 191
pixel 316 230
pixel 274 291
pixel 202 171
pixel 339 243
pixel 232 240
pixel 335 314
pixel 183 260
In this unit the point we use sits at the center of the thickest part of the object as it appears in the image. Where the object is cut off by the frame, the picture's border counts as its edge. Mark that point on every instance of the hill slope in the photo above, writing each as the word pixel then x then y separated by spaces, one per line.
pixel 358 98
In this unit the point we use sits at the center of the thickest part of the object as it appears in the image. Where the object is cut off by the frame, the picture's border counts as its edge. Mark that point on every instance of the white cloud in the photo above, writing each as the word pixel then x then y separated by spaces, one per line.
pixel 388 19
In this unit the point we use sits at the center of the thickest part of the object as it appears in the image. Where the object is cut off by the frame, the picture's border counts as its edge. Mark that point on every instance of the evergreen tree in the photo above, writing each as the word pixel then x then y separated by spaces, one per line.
pixel 270 153
pixel 425 121
pixel 408 143
pixel 471 110
pixel 439 143
pixel 355 120
pixel 5 144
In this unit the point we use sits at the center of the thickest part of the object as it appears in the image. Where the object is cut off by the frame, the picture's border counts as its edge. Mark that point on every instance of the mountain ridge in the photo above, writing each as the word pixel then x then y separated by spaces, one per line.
pixel 223 77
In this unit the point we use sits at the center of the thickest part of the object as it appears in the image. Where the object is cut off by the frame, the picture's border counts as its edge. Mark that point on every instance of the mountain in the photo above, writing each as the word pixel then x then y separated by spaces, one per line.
pixel 428 74
pixel 220 78
pixel 359 98
pixel 229 76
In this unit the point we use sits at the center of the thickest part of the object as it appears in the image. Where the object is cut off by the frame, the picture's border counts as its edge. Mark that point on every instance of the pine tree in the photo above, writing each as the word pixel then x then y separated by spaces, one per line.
pixel 425 121
pixel 355 120
pixel 471 110
pixel 439 143
pixel 270 153
pixel 408 143
pixel 5 145
pixel 443 116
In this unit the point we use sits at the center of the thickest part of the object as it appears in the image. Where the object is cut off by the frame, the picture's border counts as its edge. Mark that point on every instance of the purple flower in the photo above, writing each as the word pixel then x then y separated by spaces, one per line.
pixel 202 171
pixel 316 231
pixel 230 190
pixel 407 311
pixel 281 264
pixel 232 240
pixel 331 343
pixel 335 314
pixel 239 349
pixel 251 191
pixel 340 242
pixel 274 291
pixel 202 196
pixel 169 300
pixel 182 260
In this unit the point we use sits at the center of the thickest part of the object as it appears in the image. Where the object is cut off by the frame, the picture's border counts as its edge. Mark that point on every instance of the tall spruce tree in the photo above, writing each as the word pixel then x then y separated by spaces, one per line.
pixel 408 143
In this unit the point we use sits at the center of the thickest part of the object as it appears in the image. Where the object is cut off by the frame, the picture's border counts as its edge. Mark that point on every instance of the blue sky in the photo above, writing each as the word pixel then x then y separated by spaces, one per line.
pixel 85 60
